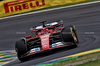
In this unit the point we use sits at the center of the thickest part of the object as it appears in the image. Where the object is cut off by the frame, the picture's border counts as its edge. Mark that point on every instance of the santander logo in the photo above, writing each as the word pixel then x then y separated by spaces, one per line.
pixel 44 36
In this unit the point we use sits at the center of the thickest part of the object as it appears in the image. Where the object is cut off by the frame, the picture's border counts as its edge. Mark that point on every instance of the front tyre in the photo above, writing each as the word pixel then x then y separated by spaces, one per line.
pixel 21 48
pixel 69 35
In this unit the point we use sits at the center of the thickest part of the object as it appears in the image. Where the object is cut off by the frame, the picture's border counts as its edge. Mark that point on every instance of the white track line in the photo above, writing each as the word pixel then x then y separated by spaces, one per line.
pixel 8 51
pixel 50 10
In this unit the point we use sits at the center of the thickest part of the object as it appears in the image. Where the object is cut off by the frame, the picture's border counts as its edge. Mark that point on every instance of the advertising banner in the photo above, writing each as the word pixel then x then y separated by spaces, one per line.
pixel 20 6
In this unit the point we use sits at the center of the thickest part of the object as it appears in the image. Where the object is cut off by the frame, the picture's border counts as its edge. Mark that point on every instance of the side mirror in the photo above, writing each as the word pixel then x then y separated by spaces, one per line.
pixel 60 28
pixel 28 36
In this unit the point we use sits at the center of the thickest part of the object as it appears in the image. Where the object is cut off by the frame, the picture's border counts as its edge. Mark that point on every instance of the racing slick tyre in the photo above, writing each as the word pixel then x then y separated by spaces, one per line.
pixel 69 35
pixel 21 48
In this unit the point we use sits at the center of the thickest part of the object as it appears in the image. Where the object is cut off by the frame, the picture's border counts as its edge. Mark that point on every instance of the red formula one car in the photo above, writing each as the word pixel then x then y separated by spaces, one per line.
pixel 46 37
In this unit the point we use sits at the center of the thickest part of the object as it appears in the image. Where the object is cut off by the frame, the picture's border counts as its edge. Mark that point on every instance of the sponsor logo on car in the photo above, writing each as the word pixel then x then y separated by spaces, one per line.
pixel 57 44
pixel 35 50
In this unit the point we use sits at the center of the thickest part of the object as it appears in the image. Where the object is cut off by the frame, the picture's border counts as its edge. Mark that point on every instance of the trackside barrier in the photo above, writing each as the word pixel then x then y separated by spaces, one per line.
pixel 11 7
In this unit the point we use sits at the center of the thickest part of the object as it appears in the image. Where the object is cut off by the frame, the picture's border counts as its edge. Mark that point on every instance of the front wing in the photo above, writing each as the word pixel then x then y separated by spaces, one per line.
pixel 53 46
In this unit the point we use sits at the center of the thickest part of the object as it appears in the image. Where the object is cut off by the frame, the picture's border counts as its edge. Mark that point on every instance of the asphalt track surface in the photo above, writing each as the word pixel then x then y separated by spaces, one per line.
pixel 86 19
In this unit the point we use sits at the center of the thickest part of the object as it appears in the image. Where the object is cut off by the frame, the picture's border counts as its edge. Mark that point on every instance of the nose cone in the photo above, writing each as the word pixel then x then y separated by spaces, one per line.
pixel 45 41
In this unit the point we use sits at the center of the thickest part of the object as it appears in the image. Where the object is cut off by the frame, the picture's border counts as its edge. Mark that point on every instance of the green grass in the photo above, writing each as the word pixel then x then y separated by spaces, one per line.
pixel 63 63
pixel 91 63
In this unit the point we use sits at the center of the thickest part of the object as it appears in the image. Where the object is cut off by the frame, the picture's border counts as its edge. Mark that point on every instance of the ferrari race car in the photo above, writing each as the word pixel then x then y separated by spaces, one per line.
pixel 46 37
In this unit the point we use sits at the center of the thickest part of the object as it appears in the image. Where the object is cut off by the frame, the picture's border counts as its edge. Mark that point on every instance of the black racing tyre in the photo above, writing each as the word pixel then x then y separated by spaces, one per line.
pixel 69 35
pixel 22 59
pixel 21 48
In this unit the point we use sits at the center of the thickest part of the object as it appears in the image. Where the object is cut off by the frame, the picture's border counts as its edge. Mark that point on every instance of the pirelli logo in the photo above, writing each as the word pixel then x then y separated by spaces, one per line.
pixel 22 5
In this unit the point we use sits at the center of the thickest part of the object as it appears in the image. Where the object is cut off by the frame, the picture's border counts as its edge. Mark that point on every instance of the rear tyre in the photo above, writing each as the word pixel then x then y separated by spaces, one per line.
pixel 21 48
pixel 69 35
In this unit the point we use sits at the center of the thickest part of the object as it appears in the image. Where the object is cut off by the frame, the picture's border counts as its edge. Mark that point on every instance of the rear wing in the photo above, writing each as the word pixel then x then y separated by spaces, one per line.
pixel 55 23
pixel 60 22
